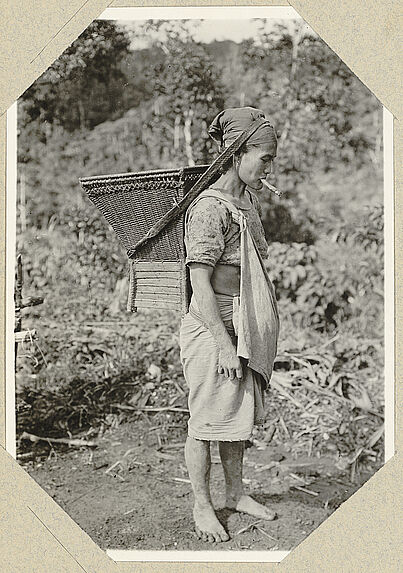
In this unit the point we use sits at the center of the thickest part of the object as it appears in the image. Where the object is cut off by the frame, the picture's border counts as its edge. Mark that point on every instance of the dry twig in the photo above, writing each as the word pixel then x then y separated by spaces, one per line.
pixel 305 490
pixel 269 466
pixel 250 526
pixel 266 534
pixel 284 427
pixel 69 442
pixel 150 408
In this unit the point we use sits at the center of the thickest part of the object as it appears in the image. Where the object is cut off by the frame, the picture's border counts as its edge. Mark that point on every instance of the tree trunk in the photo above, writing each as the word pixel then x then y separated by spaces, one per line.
pixel 296 39
pixel 188 137
pixel 177 132
pixel 81 114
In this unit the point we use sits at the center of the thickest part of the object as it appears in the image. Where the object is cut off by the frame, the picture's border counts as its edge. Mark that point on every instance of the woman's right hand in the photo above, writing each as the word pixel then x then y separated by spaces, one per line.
pixel 229 363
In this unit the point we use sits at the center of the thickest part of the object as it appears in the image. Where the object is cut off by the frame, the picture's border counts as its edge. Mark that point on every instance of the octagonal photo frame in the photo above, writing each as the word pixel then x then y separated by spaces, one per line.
pixel 39 534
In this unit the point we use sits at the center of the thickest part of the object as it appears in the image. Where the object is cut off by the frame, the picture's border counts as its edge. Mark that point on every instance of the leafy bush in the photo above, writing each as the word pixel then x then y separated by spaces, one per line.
pixel 335 279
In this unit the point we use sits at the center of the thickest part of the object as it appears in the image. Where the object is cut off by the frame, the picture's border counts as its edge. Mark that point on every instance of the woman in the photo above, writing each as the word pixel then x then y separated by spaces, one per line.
pixel 229 336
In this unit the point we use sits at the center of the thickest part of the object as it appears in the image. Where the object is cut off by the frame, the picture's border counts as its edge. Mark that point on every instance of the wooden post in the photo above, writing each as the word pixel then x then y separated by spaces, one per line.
pixel 23 209
pixel 18 303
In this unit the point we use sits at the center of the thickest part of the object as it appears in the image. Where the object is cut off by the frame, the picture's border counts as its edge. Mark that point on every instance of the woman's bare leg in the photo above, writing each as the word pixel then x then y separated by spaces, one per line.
pixel 207 526
pixel 231 454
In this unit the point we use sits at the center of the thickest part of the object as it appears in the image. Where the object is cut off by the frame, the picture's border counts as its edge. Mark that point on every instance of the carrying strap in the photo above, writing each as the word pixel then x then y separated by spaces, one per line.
pixel 198 187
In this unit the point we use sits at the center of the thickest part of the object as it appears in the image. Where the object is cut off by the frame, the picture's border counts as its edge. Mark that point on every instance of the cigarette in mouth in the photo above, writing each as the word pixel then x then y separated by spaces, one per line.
pixel 271 188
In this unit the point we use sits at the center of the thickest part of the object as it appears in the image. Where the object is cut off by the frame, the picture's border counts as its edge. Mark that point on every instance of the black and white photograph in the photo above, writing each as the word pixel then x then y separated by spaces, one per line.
pixel 201 360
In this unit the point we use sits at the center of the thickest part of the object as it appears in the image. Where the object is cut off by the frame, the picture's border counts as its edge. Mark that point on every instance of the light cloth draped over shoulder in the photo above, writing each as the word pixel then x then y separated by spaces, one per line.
pixel 258 323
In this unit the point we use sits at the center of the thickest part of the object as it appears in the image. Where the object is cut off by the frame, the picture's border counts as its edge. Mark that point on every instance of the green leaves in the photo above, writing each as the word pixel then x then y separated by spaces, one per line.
pixel 322 285
pixel 82 86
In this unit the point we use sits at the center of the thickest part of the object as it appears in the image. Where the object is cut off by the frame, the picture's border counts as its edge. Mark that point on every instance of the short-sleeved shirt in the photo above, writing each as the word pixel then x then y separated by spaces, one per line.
pixel 212 236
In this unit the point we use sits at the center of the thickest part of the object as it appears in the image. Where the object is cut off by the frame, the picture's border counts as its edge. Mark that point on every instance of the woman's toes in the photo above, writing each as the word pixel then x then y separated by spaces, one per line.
pixel 270 514
pixel 224 536
pixel 216 536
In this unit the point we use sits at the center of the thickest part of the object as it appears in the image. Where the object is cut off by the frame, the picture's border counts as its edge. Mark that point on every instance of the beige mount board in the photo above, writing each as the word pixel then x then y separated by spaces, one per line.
pixel 36 535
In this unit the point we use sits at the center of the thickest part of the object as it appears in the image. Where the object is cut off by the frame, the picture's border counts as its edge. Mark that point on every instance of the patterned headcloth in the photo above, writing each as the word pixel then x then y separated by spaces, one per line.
pixel 230 123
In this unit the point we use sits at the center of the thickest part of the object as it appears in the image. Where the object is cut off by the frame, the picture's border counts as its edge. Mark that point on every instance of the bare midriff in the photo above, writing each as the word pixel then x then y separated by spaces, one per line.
pixel 226 279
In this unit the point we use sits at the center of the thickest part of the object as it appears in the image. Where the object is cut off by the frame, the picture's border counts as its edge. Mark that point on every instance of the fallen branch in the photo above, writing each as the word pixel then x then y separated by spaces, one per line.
pixel 305 490
pixel 266 534
pixel 284 427
pixel 69 442
pixel 26 456
pixel 245 529
pixel 294 476
pixel 269 466
pixel 112 467
pixel 150 408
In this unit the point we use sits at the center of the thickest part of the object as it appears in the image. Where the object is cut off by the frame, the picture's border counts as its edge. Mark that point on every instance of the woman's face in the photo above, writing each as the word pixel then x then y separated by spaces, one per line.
pixel 256 163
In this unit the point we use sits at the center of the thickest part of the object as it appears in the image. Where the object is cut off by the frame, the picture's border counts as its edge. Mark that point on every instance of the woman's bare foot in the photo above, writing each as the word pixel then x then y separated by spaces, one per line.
pixel 246 504
pixel 207 526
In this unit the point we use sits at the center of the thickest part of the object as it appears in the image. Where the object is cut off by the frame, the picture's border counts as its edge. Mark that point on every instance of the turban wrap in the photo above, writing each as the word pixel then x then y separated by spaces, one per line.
pixel 230 123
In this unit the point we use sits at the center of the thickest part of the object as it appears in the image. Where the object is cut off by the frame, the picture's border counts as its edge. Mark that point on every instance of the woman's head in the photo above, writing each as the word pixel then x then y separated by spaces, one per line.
pixel 230 123
pixel 253 161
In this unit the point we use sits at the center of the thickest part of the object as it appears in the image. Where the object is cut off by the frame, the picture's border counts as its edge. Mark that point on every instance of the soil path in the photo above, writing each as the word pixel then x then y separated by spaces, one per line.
pixel 145 500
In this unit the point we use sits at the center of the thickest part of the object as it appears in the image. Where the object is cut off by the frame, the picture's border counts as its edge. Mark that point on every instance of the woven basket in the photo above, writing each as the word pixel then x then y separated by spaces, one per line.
pixel 132 203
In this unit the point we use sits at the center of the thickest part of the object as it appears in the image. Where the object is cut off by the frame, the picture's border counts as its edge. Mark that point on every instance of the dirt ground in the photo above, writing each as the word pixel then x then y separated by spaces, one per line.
pixel 132 492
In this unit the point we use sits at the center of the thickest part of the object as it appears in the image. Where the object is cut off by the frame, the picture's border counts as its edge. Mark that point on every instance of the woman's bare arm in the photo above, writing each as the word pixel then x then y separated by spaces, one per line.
pixel 200 277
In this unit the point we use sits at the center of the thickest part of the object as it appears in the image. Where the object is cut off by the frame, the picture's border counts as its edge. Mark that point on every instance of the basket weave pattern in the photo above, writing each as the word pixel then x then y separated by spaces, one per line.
pixel 132 203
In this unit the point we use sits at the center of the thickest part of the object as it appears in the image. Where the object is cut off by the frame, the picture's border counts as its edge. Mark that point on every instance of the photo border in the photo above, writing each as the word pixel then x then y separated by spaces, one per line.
pixel 32 511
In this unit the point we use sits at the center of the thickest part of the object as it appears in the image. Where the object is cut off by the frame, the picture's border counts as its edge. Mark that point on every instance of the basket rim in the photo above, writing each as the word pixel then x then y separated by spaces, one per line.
pixel 136 174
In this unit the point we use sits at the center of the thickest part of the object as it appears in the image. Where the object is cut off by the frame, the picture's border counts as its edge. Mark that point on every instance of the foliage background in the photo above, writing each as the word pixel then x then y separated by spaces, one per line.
pixel 110 106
